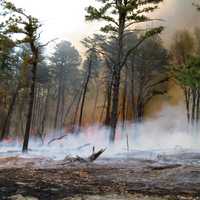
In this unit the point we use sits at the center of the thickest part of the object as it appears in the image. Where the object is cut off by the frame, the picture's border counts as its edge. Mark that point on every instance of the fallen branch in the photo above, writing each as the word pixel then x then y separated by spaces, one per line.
pixel 90 159
pixel 165 167
pixel 94 155
pixel 69 159
pixel 80 147
pixel 55 139
pixel 83 146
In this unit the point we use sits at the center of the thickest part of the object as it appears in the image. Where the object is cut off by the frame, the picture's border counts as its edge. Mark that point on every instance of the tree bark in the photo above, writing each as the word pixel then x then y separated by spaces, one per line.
pixel 115 103
pixel 198 106
pixel 76 112
pixel 133 89
pixel 62 108
pixel 124 98
pixel 109 98
pixel 31 97
pixel 193 105
pixel 45 112
pixel 95 103
pixel 58 105
pixel 84 92
pixel 187 103
pixel 9 114
pixel 116 76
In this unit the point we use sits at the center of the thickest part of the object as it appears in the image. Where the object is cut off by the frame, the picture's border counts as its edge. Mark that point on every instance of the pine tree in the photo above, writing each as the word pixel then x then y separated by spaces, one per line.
pixel 19 22
pixel 120 16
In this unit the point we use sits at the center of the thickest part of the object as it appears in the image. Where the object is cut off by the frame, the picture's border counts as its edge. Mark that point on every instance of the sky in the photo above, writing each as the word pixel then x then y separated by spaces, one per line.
pixel 64 19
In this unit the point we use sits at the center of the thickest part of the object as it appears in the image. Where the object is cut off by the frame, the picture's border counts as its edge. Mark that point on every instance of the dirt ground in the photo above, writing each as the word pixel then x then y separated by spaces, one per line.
pixel 125 179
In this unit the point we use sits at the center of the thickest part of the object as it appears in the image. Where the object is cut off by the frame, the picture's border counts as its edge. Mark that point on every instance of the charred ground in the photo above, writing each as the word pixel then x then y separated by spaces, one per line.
pixel 126 179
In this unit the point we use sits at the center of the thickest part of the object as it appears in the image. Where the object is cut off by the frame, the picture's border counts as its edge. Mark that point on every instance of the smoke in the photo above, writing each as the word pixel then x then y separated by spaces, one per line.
pixel 177 15
pixel 168 131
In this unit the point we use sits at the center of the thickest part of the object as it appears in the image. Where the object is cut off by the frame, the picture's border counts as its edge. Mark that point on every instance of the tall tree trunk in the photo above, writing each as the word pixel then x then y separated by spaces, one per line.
pixel 38 113
pixel 102 111
pixel 84 92
pixel 116 78
pixel 62 108
pixel 76 112
pixel 140 111
pixel 20 124
pixel 124 98
pixel 31 97
pixel 115 103
pixel 140 96
pixel 193 105
pixel 187 103
pixel 198 106
pixel 71 104
pixel 35 106
pixel 45 112
pixel 58 105
pixel 109 98
pixel 94 120
pixel 133 89
pixel 9 114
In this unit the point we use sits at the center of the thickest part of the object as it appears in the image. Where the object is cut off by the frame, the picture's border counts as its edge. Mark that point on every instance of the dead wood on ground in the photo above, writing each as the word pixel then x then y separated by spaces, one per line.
pixel 90 159
pixel 55 139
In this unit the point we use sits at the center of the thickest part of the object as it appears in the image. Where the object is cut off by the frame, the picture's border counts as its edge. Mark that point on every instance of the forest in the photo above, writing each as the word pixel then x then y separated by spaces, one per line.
pixel 51 93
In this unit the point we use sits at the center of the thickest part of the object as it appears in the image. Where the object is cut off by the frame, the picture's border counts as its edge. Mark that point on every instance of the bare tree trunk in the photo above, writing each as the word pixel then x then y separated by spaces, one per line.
pixel 193 105
pixel 198 106
pixel 57 106
pixel 133 89
pixel 20 129
pixel 71 104
pixel 76 111
pixel 95 104
pixel 31 97
pixel 115 103
pixel 116 78
pixel 140 98
pixel 84 92
pixel 38 112
pixel 102 111
pixel 187 103
pixel 62 108
pixel 9 114
pixel 45 112
pixel 140 111
pixel 109 98
pixel 35 107
pixel 124 98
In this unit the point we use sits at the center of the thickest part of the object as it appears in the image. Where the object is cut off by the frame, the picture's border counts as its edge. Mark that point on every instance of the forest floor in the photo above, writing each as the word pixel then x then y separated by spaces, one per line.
pixel 24 178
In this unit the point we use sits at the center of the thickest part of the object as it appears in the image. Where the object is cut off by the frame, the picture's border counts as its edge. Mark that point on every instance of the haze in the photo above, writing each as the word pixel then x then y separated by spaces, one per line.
pixel 65 19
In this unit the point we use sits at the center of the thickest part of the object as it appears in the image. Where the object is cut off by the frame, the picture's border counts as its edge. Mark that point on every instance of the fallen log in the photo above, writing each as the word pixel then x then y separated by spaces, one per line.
pixel 90 159
pixel 63 136
pixel 82 146
pixel 69 159
pixel 94 155
pixel 55 139
pixel 164 167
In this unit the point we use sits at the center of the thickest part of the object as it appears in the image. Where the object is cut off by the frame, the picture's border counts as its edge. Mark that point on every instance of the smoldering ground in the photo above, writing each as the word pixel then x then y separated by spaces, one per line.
pixel 166 133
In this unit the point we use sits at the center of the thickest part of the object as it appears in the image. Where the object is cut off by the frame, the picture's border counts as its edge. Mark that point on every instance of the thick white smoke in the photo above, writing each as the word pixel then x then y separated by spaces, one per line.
pixel 167 131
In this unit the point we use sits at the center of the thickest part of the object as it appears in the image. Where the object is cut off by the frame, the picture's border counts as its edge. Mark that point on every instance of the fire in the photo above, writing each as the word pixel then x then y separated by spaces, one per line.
pixel 8 140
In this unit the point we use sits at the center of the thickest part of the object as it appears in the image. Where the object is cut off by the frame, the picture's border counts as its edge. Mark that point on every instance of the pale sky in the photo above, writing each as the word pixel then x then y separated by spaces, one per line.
pixel 64 19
